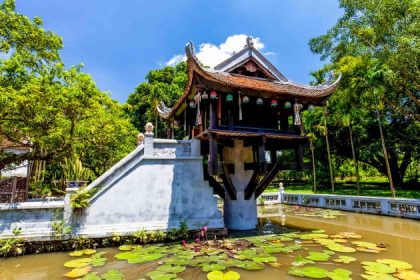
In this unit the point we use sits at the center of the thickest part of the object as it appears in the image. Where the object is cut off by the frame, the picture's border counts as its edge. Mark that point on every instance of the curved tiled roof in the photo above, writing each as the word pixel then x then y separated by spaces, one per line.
pixel 282 90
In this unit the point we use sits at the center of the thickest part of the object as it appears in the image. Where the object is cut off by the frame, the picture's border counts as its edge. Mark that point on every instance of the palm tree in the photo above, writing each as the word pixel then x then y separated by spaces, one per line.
pixel 328 149
pixel 346 121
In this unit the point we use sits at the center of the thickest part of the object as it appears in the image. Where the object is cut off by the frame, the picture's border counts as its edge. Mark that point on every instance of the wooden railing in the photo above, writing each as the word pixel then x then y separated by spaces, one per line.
pixel 13 189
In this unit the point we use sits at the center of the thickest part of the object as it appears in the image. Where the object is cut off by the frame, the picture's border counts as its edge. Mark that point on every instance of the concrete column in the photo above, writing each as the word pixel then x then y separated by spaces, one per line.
pixel 239 214
pixel 68 210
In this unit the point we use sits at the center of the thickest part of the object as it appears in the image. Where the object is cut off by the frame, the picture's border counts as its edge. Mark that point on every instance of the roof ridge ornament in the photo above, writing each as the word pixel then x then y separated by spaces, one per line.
pixel 249 42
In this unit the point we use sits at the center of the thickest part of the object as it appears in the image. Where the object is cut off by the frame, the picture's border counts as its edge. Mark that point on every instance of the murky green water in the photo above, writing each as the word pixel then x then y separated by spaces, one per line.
pixel 389 238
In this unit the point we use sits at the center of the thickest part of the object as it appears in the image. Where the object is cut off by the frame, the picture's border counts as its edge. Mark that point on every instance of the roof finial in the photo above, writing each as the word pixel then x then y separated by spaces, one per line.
pixel 249 42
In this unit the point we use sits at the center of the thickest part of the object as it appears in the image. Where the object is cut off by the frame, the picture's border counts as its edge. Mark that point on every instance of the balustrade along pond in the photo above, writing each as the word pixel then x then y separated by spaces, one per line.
pixel 292 242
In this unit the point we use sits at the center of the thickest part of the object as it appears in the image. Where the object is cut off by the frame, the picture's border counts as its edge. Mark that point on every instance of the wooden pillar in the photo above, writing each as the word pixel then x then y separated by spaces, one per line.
pixel 14 183
pixel 261 155
pixel 230 119
pixel 213 115
pixel 213 164
pixel 273 156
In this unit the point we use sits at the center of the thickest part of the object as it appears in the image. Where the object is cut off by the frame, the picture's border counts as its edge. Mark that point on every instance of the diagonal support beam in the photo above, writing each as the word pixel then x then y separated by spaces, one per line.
pixel 227 182
pixel 267 179
pixel 250 188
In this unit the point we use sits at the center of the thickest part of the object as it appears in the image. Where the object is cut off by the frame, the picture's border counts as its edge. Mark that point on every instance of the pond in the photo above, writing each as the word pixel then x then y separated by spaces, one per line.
pixel 292 243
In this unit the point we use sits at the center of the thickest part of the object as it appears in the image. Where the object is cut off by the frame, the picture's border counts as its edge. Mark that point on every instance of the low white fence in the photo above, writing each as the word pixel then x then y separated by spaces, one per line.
pixel 401 207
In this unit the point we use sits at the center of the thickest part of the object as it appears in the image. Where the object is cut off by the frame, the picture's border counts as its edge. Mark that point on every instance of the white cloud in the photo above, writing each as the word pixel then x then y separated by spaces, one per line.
pixel 211 55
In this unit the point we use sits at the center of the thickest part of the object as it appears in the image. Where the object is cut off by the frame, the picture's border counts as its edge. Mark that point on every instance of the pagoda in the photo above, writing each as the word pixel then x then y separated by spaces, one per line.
pixel 245 112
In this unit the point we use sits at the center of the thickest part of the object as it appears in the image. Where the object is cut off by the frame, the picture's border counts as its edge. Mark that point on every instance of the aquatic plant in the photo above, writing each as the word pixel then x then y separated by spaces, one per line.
pixel 80 199
pixel 60 228
pixel 11 247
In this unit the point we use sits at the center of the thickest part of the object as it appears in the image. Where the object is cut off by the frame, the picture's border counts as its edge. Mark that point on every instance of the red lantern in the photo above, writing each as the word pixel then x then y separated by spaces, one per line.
pixel 274 103
pixel 213 95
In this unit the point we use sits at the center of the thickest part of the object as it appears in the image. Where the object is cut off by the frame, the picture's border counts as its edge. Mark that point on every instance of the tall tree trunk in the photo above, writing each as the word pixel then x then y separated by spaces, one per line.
pixel 328 151
pixel 388 169
pixel 313 164
pixel 356 163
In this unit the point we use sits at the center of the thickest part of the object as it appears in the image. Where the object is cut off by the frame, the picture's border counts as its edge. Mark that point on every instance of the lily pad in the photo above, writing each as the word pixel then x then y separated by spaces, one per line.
pixel 160 275
pixel 112 275
pixel 213 267
pixel 78 272
pixel 378 267
pixel 263 259
pixel 400 265
pixel 345 259
pixel 97 262
pixel 378 276
pixel 92 276
pixel 340 248
pixel 300 261
pixel 76 254
pixel 78 263
pixel 250 265
pixel 89 251
pixel 309 271
pixel 219 275
pixel 340 274
pixel 170 268
pixel 318 256
pixel 125 248
pixel 408 275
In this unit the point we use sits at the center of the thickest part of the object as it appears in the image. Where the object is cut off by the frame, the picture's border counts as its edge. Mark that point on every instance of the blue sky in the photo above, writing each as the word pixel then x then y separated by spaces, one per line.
pixel 120 41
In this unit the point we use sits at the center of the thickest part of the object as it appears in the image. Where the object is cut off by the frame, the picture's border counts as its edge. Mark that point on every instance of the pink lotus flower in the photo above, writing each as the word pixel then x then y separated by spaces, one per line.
pixel 202 233
pixel 197 240
pixel 184 243
pixel 205 228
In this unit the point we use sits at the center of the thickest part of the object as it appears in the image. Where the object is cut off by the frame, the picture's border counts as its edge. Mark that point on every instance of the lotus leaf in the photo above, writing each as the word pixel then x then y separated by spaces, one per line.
pixel 408 275
pixel 377 276
pixel 400 265
pixel 364 244
pixel 171 268
pixel 367 250
pixel 112 275
pixel 137 258
pixel 309 271
pixel 125 248
pixel 300 261
pixel 98 255
pixel 246 254
pixel 177 261
pixel 318 231
pixel 124 255
pixel 264 259
pixel 378 267
pixel 313 236
pixel 219 275
pixel 160 275
pixel 76 254
pixel 318 256
pixel 89 251
pixel 213 267
pixel 78 263
pixel 96 262
pixel 340 274
pixel 340 248
pixel 345 259
pixel 250 265
pixel 78 272
pixel 92 276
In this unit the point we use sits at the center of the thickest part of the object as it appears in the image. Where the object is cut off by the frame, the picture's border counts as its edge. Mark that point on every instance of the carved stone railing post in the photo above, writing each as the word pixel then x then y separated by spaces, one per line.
pixel 148 140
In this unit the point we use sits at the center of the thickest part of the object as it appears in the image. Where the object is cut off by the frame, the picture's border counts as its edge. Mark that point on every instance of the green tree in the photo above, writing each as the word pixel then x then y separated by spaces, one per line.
pixel 375 47
pixel 55 111
pixel 161 85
